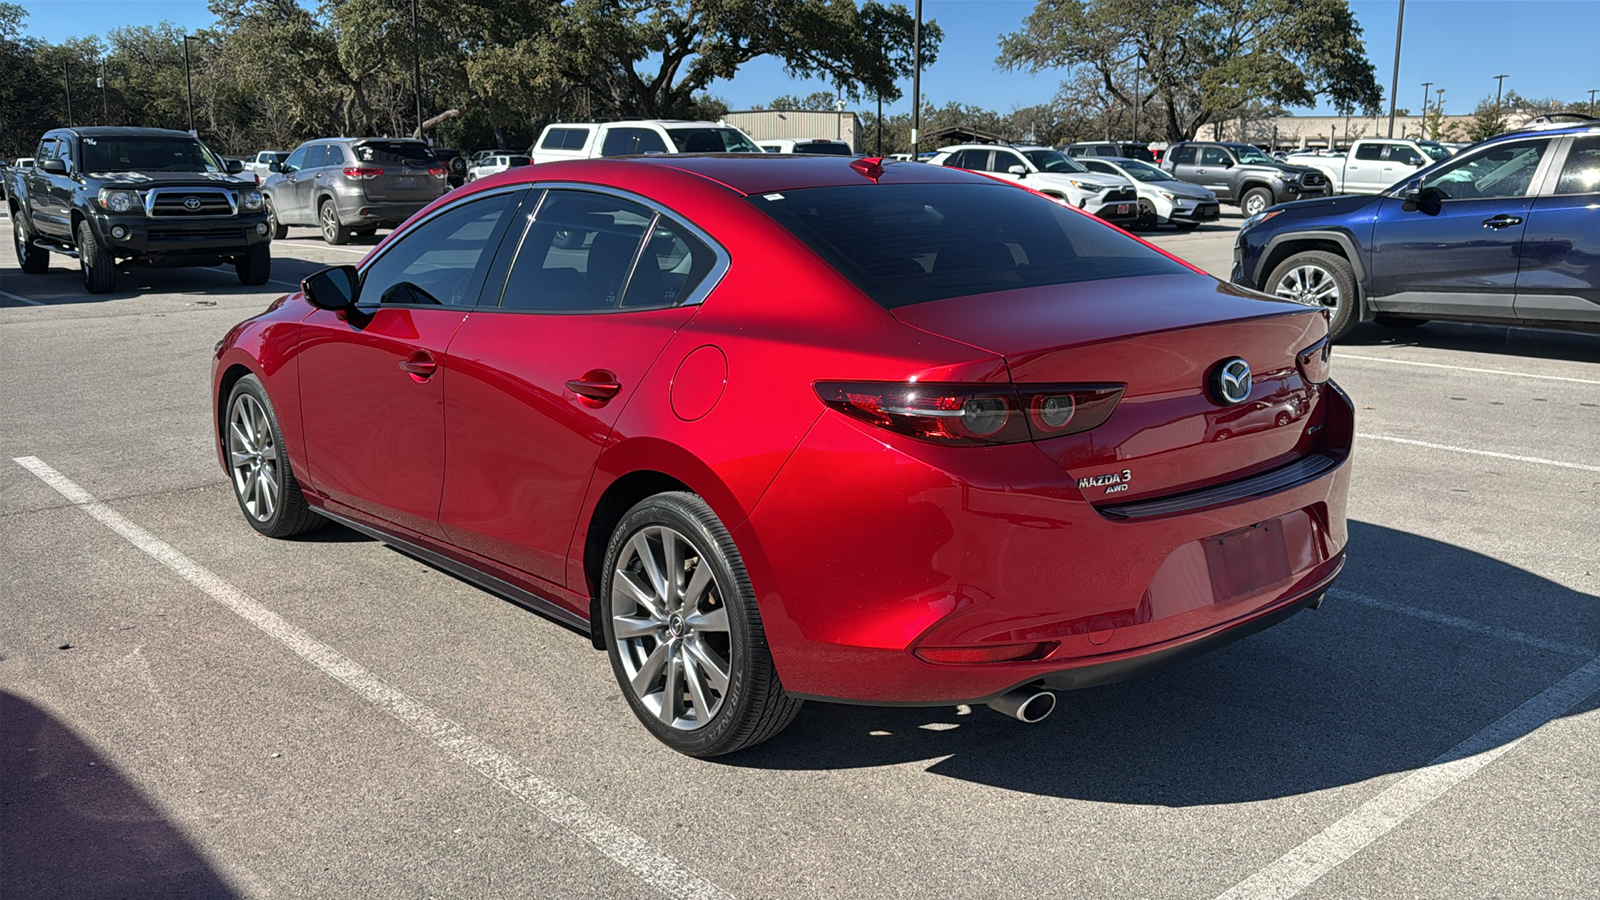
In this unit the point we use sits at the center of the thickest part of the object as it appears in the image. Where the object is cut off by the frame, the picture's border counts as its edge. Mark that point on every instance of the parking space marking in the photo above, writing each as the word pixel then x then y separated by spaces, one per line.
pixel 1512 456
pixel 1428 365
pixel 1301 867
pixel 10 296
pixel 622 845
pixel 1494 631
pixel 225 270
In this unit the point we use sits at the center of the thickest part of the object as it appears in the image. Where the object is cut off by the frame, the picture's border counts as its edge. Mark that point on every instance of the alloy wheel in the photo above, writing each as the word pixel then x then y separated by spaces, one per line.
pixel 253 457
pixel 1309 284
pixel 671 627
pixel 330 223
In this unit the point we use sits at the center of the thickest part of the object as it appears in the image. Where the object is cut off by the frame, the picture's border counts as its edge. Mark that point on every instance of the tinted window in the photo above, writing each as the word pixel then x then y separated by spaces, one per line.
pixel 1095 165
pixel 148 154
pixel 1184 155
pixel 1369 151
pixel 628 141
pixel 827 148
pixel 1106 150
pixel 1581 174
pixel 1503 170
pixel 47 150
pixel 1404 155
pixel 564 139
pixel 905 244
pixel 434 263
pixel 673 264
pixel 711 140
pixel 1214 156
pixel 296 160
pixel 321 155
pixel 576 253
pixel 1005 159
pixel 392 153
pixel 518 161
pixel 1053 161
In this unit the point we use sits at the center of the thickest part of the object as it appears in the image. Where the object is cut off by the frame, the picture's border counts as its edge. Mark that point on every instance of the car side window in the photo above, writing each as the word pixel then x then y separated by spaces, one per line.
pixel 1183 156
pixel 629 141
pixel 47 150
pixel 1370 152
pixel 1404 155
pixel 577 253
pixel 1005 159
pixel 1095 165
pixel 1502 170
pixel 673 264
pixel 1581 174
pixel 434 263
pixel 1105 151
pixel 1214 156
pixel 296 160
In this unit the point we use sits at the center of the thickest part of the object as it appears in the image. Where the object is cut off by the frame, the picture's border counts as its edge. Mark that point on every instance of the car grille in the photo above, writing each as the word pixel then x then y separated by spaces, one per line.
pixel 189 203
pixel 1312 179
pixel 1120 195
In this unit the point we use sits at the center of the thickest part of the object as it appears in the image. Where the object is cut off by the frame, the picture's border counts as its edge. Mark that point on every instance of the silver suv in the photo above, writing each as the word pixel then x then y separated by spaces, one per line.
pixel 350 187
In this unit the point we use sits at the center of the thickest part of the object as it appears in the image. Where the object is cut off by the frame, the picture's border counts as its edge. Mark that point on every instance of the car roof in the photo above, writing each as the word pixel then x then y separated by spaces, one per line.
pixel 120 131
pixel 765 173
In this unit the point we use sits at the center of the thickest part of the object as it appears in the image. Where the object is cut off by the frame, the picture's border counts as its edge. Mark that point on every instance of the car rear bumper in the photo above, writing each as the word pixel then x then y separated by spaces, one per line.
pixel 379 213
pixel 862 553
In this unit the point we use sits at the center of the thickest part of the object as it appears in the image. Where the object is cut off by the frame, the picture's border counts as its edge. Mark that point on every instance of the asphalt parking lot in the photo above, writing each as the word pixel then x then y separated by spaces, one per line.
pixel 188 709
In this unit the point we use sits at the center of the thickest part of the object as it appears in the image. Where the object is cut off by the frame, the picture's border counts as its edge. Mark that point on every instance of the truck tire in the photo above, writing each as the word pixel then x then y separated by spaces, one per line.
pixel 33 260
pixel 279 230
pixel 99 266
pixel 255 266
pixel 1320 278
pixel 333 231
pixel 1255 200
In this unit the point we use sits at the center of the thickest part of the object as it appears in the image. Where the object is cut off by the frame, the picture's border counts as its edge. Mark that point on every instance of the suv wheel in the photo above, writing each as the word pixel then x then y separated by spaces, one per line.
pixel 33 260
pixel 98 265
pixel 1147 221
pixel 1319 278
pixel 1255 201
pixel 332 231
pixel 279 230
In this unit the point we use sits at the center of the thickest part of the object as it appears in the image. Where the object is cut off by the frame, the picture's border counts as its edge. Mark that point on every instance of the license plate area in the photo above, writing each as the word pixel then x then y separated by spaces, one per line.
pixel 1122 209
pixel 1247 561
pixel 405 181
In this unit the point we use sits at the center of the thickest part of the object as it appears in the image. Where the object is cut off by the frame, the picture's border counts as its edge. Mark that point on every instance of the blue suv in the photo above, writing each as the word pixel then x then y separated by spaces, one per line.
pixel 1507 232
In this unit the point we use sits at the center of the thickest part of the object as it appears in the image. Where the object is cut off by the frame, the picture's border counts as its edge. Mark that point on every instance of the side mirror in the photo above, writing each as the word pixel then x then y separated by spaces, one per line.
pixel 233 166
pixel 1227 164
pixel 336 288
pixel 1429 200
pixel 274 167
pixel 1419 163
pixel 1019 171
pixel 54 166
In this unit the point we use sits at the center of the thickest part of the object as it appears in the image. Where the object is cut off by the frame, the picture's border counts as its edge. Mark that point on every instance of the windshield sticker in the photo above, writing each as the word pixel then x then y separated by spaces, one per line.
pixel 120 176
pixel 772 196
pixel 88 140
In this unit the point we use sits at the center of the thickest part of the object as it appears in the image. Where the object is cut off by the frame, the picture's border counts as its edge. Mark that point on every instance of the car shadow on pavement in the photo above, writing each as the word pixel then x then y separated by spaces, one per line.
pixel 1332 697
pixel 1532 343
pixel 74 827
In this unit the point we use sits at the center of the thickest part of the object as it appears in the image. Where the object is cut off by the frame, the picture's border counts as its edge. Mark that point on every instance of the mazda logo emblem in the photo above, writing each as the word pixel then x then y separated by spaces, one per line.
pixel 1231 382
pixel 192 203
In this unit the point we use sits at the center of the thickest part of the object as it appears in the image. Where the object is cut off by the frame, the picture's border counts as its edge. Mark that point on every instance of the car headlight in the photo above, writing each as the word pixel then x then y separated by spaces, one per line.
pixel 119 201
pixel 1169 195
pixel 251 199
pixel 1089 186
pixel 1257 219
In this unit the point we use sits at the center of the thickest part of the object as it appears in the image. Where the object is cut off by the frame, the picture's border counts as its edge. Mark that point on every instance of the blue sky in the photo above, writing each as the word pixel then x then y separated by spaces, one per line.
pixel 1459 45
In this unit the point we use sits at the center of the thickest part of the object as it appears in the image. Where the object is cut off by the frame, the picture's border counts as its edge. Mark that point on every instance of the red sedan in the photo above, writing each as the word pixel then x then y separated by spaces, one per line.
pixel 781 428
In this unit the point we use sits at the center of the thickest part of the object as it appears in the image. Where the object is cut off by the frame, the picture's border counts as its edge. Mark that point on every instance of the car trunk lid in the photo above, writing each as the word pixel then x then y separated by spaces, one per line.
pixel 404 175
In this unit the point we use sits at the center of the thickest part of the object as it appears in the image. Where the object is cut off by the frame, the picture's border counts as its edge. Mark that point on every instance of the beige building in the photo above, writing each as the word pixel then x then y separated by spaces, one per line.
pixel 797 124
pixel 1321 132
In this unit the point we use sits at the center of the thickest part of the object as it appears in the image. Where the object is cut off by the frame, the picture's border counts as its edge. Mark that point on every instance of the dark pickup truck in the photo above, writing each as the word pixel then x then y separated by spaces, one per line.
pixel 149 196
pixel 1242 175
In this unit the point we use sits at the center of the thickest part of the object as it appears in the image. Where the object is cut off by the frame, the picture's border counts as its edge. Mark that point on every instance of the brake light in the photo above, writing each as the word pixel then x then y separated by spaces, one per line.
pixel 437 172
pixel 1315 361
pixel 362 172
pixel 970 414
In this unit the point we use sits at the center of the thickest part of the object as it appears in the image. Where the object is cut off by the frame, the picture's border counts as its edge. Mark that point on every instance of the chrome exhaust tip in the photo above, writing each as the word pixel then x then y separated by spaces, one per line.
pixel 1027 704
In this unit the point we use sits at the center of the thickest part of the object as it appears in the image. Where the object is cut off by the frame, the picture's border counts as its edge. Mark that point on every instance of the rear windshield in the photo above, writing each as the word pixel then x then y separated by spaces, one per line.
pixel 711 140
pixel 827 148
pixel 911 243
pixel 148 154
pixel 518 161
pixel 394 153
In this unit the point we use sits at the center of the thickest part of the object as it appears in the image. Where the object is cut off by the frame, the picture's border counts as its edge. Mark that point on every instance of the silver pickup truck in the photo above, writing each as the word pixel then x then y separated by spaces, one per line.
pixel 1372 164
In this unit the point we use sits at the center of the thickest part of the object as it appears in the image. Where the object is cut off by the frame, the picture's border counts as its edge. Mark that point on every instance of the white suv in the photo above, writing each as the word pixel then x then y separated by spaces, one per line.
pixel 494 164
pixel 1049 172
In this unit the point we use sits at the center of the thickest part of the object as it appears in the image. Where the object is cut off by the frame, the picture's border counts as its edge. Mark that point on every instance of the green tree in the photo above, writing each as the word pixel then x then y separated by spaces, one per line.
pixel 817 100
pixel 1198 60
pixel 1434 127
pixel 1488 120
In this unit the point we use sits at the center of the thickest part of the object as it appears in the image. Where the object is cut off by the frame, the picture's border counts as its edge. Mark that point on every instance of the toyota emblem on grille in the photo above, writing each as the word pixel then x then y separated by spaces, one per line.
pixel 192 203
pixel 1231 381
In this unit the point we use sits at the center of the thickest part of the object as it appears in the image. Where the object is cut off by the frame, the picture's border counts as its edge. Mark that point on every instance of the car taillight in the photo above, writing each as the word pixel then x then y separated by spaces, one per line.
pixel 971 414
pixel 437 172
pixel 1315 361
pixel 362 172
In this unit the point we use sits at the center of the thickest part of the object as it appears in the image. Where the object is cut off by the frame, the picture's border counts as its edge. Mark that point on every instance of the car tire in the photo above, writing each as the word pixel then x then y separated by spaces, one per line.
pixel 670 651
pixel 258 466
pixel 279 230
pixel 255 266
pixel 98 265
pixel 33 260
pixel 333 231
pixel 1317 277
pixel 1389 321
pixel 1255 201
pixel 1148 220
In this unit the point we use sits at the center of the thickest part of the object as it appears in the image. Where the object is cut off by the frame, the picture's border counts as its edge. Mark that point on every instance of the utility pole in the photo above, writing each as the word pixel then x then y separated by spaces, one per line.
pixel 1499 81
pixel 66 81
pixel 416 62
pixel 188 86
pixel 105 102
pixel 1136 103
pixel 1394 82
pixel 1425 86
pixel 916 81
pixel 1591 100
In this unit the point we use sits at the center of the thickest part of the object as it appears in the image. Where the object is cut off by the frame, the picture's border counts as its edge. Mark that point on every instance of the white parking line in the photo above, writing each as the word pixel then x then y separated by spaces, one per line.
pixel 1494 631
pixel 21 299
pixel 225 270
pixel 1512 456
pixel 620 844
pixel 1428 365
pixel 1301 867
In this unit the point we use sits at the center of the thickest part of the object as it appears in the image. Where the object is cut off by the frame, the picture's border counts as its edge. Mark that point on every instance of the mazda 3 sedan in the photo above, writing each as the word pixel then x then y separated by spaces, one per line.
pixel 777 428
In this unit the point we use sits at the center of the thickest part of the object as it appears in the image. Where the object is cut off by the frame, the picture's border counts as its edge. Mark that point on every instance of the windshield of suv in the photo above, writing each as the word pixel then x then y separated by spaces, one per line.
pixel 1144 171
pixel 712 140
pixel 1435 151
pixel 395 153
pixel 1250 156
pixel 1053 161
pixel 148 154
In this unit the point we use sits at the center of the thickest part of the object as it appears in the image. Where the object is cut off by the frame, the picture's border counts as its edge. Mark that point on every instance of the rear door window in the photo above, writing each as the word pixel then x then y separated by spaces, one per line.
pixel 1501 170
pixel 1371 152
pixel 1581 174
pixel 912 243
pixel 1183 156
pixel 564 139
pixel 1214 156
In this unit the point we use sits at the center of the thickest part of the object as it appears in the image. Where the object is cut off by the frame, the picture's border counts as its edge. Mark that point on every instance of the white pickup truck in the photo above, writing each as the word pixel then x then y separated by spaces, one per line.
pixel 590 140
pixel 1372 163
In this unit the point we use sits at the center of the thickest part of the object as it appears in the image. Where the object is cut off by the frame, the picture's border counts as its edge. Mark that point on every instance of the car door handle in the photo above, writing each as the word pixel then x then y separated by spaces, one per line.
pixel 419 365
pixel 597 386
pixel 1502 221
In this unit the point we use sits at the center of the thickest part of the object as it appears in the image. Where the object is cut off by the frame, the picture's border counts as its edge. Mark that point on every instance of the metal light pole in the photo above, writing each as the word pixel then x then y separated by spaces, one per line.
pixel 1136 103
pixel 66 82
pixel 916 81
pixel 1394 83
pixel 416 62
pixel 1425 86
pixel 188 86
pixel 880 126
pixel 1591 100
pixel 1499 81
pixel 105 101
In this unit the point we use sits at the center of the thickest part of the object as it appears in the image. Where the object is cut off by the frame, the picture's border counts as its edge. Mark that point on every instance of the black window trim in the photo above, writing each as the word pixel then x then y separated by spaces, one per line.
pixel 719 267
pixel 368 263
